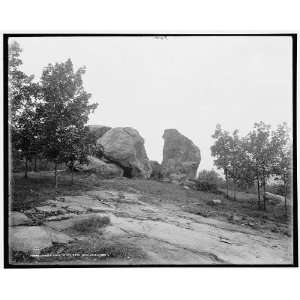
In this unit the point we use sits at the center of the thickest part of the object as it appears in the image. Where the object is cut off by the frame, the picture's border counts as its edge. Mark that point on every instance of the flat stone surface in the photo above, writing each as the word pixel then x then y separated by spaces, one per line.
pixel 30 239
pixel 58 237
pixel 16 218
pixel 57 203
pixel 104 195
pixel 49 209
pixel 85 203
pixel 33 239
pixel 131 198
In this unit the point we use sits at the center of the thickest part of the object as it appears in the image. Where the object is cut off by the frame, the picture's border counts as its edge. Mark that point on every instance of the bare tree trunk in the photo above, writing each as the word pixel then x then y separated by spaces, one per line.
pixel 26 168
pixel 234 189
pixel 72 171
pixel 258 193
pixel 264 195
pixel 285 196
pixel 226 177
pixel 55 174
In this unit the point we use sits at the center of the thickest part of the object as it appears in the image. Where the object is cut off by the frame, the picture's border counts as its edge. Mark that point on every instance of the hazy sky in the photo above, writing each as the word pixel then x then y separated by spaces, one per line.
pixel 187 83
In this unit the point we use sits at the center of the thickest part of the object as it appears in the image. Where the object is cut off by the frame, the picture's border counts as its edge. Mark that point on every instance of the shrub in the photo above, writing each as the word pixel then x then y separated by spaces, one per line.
pixel 208 181
pixel 276 188
pixel 91 224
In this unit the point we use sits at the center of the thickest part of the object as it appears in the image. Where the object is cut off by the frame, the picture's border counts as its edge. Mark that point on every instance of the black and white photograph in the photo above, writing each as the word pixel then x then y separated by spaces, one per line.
pixel 150 150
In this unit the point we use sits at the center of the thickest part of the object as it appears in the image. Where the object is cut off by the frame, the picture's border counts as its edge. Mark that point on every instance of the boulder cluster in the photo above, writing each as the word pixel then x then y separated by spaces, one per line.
pixel 123 154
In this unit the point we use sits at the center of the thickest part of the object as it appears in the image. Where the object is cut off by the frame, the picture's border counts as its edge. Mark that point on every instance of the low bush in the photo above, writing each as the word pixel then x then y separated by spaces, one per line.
pixel 208 181
pixel 91 224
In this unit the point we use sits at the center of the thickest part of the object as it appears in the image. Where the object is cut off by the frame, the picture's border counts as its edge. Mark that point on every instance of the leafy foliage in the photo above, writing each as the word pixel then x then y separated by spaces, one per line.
pixel 65 113
pixel 208 181
pixel 261 154
pixel 24 95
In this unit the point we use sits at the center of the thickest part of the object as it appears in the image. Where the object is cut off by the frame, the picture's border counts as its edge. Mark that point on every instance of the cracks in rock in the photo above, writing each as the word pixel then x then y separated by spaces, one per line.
pixel 213 257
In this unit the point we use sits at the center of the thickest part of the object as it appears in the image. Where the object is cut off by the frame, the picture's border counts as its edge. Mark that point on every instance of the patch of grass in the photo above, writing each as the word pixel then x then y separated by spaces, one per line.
pixel 92 224
pixel 39 187
pixel 20 257
pixel 124 252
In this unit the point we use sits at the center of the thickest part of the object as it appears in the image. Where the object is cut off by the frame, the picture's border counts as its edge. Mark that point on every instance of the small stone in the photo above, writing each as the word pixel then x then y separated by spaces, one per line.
pixel 214 202
pixel 98 209
pixel 217 201
pixel 76 209
pixel 275 229
pixel 17 218
pixel 104 195
pixel 236 218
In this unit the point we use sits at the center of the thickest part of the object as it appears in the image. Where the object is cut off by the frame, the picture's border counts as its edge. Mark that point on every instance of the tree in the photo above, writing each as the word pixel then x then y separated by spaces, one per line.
pixel 261 151
pixel 228 155
pixel 65 111
pixel 234 159
pixel 26 133
pixel 220 150
pixel 76 147
pixel 23 96
pixel 283 162
pixel 246 174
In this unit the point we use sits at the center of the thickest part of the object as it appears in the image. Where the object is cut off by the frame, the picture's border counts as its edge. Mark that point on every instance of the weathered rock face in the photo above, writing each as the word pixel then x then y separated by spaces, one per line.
pixel 125 147
pixel 181 157
pixel 100 168
pixel 16 218
pixel 33 239
pixel 156 169
pixel 98 130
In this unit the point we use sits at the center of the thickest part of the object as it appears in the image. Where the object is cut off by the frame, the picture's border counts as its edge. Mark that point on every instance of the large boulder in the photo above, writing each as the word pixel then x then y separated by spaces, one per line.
pixel 181 157
pixel 125 147
pixel 98 130
pixel 100 168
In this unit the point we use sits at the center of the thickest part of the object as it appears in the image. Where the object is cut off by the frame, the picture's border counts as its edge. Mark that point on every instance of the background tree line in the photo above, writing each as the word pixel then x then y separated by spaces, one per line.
pixel 254 159
pixel 47 118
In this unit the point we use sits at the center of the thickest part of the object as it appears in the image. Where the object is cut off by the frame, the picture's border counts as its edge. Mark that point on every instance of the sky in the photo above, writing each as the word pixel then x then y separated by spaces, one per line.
pixel 187 83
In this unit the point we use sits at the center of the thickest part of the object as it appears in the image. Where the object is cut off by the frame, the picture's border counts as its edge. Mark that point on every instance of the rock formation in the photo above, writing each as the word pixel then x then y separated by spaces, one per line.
pixel 181 157
pixel 156 170
pixel 98 130
pixel 101 168
pixel 125 147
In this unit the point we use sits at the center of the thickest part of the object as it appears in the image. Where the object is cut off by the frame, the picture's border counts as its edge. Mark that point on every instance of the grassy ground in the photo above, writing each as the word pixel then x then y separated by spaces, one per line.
pixel 39 187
